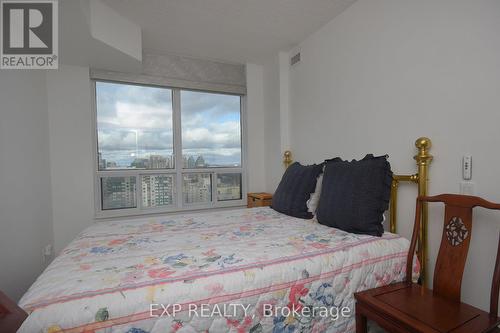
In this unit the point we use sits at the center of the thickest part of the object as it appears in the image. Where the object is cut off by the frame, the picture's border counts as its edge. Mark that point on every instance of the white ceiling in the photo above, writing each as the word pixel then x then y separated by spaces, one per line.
pixel 230 30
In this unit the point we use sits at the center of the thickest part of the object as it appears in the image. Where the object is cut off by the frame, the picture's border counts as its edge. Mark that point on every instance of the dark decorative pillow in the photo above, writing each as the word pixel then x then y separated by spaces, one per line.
pixel 355 194
pixel 295 189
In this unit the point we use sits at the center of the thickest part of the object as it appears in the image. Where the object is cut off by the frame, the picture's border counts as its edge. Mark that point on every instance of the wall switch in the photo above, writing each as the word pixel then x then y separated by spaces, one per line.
pixel 47 253
pixel 467 167
pixel 467 188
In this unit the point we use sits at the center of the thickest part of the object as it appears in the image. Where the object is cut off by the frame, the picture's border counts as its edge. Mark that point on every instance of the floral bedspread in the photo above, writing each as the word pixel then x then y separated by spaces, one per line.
pixel 248 268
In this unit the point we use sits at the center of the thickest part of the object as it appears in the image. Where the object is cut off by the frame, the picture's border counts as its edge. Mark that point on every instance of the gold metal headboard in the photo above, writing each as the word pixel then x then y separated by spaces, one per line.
pixel 421 178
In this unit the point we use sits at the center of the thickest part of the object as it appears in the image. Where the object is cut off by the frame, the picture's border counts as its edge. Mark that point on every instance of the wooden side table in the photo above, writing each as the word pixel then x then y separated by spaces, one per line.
pixel 11 315
pixel 259 199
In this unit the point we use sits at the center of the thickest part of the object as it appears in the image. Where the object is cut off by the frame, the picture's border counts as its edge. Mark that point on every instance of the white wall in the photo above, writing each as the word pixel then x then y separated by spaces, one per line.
pixel 113 29
pixel 388 71
pixel 71 153
pixel 273 147
pixel 255 129
pixel 25 197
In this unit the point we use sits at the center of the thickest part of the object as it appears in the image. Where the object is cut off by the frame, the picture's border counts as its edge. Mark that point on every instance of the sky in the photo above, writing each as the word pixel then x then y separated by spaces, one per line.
pixel 133 119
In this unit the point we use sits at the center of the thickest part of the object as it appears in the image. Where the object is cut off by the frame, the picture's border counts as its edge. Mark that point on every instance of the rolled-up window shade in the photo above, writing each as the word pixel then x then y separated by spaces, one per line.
pixel 183 72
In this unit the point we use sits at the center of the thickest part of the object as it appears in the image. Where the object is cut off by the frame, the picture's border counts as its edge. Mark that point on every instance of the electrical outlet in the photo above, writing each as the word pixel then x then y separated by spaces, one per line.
pixel 467 188
pixel 48 250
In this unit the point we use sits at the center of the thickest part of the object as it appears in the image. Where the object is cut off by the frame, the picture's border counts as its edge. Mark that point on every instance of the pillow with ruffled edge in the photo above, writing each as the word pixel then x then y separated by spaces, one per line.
pixel 295 188
pixel 355 194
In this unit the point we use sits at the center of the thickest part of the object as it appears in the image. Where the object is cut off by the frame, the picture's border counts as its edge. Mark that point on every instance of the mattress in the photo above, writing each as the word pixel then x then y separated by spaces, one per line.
pixel 244 270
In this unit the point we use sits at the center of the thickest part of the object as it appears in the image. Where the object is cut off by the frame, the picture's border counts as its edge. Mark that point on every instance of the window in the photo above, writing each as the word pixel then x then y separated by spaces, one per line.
pixel 118 192
pixel 211 133
pixel 163 149
pixel 197 188
pixel 134 127
pixel 157 190
pixel 229 186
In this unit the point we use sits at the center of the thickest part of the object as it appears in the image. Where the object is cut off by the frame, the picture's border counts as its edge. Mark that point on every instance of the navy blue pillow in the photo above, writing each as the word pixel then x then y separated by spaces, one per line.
pixel 355 194
pixel 295 189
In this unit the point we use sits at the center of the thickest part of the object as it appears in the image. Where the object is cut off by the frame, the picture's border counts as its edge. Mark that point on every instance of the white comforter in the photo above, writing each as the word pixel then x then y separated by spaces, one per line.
pixel 160 275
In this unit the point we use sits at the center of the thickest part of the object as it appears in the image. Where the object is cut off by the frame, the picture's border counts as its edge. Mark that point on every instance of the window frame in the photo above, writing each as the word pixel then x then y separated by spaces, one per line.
pixel 178 171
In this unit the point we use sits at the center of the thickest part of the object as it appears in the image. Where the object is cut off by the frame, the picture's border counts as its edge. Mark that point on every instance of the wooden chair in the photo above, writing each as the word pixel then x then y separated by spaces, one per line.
pixel 409 307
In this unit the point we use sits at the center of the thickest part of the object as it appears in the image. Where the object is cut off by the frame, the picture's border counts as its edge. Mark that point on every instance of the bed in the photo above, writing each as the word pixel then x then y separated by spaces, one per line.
pixel 111 274
pixel 239 270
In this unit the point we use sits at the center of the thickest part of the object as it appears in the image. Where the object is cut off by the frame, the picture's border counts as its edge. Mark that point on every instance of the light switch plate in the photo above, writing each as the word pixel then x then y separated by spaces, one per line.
pixel 467 167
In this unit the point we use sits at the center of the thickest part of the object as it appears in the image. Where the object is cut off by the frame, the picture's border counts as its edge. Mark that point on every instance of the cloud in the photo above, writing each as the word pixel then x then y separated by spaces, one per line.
pixel 131 140
pixel 108 95
pixel 210 121
pixel 212 135
pixel 138 117
pixel 217 105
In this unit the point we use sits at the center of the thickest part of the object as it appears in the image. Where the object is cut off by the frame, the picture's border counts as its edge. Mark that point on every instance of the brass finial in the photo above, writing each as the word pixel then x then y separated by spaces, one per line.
pixel 423 145
pixel 287 158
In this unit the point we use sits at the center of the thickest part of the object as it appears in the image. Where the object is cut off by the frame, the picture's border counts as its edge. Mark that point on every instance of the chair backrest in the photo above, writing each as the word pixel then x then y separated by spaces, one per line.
pixel 454 246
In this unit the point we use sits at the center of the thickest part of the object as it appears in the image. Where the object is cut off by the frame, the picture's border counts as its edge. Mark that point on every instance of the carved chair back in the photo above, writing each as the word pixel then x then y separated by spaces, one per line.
pixel 450 262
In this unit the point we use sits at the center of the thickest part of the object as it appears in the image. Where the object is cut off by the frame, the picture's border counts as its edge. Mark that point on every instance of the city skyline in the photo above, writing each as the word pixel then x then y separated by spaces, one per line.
pixel 158 161
pixel 120 192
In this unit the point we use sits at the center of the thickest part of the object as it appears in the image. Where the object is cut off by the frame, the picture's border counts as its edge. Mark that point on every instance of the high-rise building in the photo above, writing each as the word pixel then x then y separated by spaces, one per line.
pixel 118 192
pixel 191 162
pixel 158 162
pixel 102 162
pixel 229 186
pixel 197 188
pixel 157 190
pixel 140 163
pixel 200 162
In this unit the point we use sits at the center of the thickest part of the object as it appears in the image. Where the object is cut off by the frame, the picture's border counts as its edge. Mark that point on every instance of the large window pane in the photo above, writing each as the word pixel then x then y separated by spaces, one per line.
pixel 118 192
pixel 228 186
pixel 197 188
pixel 211 130
pixel 134 126
pixel 157 190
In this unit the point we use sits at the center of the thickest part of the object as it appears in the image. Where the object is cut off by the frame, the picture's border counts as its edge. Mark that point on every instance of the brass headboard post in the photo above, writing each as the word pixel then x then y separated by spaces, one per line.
pixel 423 159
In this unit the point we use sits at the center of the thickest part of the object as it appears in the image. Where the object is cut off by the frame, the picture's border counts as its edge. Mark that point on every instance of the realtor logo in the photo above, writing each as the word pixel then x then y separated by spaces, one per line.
pixel 29 36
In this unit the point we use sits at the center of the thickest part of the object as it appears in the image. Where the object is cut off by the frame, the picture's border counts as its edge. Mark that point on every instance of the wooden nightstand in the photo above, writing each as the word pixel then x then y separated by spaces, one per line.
pixel 11 315
pixel 259 199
